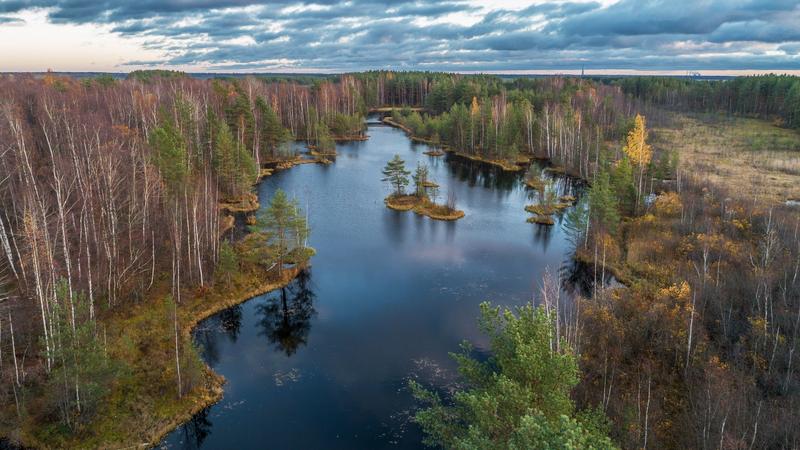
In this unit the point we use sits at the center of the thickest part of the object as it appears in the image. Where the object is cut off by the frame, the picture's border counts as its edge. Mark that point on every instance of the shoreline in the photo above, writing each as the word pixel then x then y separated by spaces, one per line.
pixel 422 207
pixel 198 305
pixel 508 166
pixel 210 389
pixel 213 391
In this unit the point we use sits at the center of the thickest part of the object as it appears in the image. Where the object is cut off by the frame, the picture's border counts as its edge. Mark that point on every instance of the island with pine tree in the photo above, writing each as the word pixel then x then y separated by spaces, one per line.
pixel 423 200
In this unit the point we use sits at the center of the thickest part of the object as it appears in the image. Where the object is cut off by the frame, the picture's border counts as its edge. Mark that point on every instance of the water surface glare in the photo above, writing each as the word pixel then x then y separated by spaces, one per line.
pixel 323 364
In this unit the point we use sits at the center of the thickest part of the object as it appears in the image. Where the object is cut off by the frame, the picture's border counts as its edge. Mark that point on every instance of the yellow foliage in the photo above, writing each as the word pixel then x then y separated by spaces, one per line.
pixel 668 204
pixel 475 108
pixel 647 218
pixel 636 146
pixel 606 245
pixel 757 325
pixel 742 224
pixel 680 291
pixel 715 362
pixel 686 246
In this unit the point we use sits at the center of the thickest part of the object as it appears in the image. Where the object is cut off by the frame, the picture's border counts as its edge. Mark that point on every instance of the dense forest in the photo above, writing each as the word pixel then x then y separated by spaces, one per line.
pixel 772 97
pixel 113 197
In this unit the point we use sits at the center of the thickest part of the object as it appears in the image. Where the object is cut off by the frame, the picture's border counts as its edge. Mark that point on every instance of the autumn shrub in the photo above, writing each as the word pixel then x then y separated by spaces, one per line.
pixel 668 204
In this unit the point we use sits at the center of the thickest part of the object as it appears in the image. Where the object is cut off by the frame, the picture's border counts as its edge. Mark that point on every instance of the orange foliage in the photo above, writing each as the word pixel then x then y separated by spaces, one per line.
pixel 668 204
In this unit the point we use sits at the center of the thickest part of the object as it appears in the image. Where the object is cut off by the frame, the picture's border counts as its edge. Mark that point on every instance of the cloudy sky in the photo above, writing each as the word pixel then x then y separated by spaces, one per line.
pixel 618 36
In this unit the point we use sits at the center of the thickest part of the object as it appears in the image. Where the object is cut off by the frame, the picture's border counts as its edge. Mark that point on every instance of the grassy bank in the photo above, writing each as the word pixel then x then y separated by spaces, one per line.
pixel 141 405
pixel 244 204
pixel 423 206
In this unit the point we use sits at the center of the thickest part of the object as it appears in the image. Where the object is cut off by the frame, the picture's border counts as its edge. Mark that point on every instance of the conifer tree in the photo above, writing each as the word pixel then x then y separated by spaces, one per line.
pixel 286 226
pixel 396 174
pixel 421 180
pixel 603 204
pixel 169 155
pixel 234 165
pixel 520 398
pixel 272 134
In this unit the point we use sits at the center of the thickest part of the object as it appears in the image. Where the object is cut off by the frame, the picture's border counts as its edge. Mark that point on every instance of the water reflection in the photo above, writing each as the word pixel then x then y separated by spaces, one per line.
pixel 479 174
pixel 195 431
pixel 579 278
pixel 285 317
pixel 231 321
pixel 542 234
pixel 393 292
pixel 206 336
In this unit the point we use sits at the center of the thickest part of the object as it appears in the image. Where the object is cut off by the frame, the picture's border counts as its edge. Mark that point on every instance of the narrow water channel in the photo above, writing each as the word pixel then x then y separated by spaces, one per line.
pixel 323 364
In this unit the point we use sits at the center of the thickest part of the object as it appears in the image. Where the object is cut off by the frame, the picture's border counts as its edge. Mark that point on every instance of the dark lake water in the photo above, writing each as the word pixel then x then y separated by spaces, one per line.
pixel 323 364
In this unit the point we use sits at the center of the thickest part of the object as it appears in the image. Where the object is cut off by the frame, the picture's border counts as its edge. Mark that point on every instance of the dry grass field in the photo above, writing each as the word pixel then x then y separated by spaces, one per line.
pixel 748 157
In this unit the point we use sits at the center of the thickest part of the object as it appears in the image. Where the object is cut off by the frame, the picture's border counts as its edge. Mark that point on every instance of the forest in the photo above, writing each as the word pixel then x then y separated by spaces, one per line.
pixel 771 97
pixel 118 199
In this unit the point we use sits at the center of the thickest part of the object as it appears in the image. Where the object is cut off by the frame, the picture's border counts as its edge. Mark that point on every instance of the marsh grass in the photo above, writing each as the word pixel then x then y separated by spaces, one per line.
pixel 749 156
pixel 423 206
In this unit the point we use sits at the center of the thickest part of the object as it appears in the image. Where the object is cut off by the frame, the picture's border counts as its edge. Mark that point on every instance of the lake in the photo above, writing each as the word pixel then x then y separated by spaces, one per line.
pixel 324 363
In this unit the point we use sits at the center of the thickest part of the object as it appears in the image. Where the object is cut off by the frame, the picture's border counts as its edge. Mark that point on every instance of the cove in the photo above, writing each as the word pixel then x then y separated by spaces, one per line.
pixel 324 363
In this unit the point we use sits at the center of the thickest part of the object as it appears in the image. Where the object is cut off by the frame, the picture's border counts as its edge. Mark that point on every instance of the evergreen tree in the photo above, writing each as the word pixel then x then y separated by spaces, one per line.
pixel 273 134
pixel 80 365
pixel 519 398
pixel 234 165
pixel 169 155
pixel 227 264
pixel 624 186
pixel 240 117
pixel 421 180
pixel 575 222
pixel 285 224
pixel 325 143
pixel 603 205
pixel 396 174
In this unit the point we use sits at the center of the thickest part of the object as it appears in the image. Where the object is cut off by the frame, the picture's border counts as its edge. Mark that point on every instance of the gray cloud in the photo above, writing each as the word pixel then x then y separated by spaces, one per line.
pixel 11 21
pixel 415 34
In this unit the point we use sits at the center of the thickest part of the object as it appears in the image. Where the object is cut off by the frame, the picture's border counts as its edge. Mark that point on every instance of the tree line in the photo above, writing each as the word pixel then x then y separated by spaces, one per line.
pixel 567 121
pixel 772 97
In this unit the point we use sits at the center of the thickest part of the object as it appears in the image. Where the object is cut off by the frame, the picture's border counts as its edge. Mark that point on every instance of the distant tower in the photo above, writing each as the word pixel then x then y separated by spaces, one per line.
pixel 582 71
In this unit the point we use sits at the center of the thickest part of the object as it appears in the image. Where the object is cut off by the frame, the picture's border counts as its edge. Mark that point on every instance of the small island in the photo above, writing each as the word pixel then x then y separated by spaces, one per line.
pixel 423 200
pixel 549 202
pixel 434 152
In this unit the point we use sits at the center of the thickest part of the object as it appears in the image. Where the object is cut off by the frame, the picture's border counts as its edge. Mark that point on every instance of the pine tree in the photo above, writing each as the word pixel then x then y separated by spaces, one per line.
pixel 227 264
pixel 421 180
pixel 575 222
pixel 169 155
pixel 325 143
pixel 396 174
pixel 234 165
pixel 240 117
pixel 603 204
pixel 624 185
pixel 286 226
pixel 520 398
pixel 80 364
pixel 273 134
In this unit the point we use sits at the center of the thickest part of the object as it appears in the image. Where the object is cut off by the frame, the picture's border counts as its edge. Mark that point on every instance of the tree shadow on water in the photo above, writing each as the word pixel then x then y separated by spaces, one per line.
pixel 196 430
pixel 285 317
pixel 230 320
